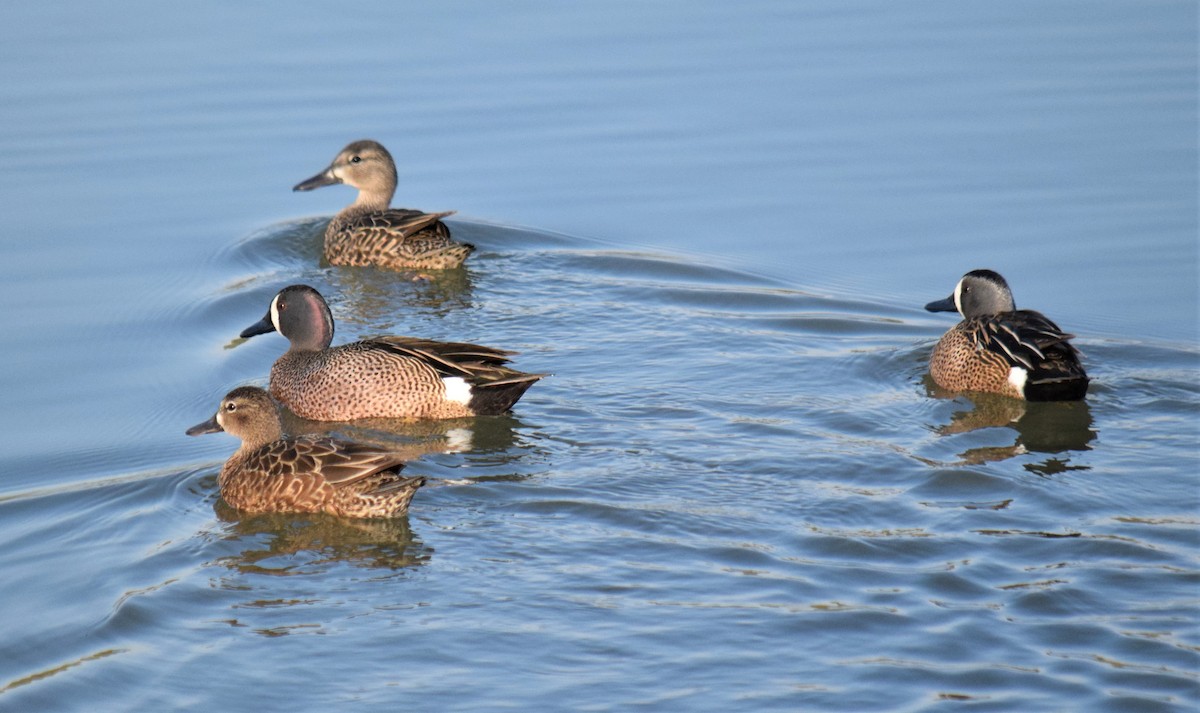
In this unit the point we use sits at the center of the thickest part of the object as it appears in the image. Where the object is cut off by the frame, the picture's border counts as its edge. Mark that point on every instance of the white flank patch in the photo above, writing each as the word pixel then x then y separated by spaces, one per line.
pixel 457 390
pixel 1016 377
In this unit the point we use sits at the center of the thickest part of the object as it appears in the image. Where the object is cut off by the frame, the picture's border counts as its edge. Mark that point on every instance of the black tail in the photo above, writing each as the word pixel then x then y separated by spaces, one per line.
pixel 497 397
pixel 1058 376
pixel 1073 388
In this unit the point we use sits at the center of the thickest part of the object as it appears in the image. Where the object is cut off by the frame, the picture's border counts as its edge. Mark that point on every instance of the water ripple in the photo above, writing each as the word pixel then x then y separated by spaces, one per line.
pixel 716 452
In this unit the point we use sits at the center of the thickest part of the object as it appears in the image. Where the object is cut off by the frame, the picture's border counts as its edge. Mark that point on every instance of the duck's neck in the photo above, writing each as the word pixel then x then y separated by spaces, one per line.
pixel 317 341
pixel 373 200
pixel 260 435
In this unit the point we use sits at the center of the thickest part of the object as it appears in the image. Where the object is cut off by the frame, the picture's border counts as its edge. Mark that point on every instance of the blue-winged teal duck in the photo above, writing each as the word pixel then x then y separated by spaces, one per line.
pixel 381 377
pixel 1001 349
pixel 369 232
pixel 270 473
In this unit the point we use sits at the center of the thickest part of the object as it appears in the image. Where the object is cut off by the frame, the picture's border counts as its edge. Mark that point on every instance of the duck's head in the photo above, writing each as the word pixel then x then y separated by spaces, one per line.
pixel 979 293
pixel 247 412
pixel 301 315
pixel 367 166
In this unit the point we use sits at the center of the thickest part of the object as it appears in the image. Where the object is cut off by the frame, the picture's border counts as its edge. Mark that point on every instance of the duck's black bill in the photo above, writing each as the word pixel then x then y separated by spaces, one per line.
pixel 262 326
pixel 946 305
pixel 209 426
pixel 324 178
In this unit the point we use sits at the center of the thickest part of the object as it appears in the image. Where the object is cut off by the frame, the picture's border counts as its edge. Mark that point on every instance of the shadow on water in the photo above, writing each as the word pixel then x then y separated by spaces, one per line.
pixel 1055 428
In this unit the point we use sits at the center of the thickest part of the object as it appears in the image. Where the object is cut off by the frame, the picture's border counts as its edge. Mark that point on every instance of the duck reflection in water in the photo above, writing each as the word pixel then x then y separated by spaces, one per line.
pixel 1055 428
pixel 374 297
pixel 414 438
pixel 287 544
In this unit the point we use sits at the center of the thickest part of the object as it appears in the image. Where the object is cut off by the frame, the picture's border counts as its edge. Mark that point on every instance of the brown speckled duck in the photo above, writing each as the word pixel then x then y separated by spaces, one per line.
pixel 1000 349
pixel 270 473
pixel 381 377
pixel 369 231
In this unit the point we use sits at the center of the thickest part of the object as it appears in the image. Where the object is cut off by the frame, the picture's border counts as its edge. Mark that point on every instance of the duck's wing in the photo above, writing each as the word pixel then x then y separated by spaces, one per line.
pixel 1025 338
pixel 452 358
pixel 396 223
pixel 310 462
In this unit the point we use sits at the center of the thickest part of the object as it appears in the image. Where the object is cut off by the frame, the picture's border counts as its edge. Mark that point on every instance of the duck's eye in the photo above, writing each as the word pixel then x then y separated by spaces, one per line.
pixel 356 159
pixel 281 305
pixel 231 407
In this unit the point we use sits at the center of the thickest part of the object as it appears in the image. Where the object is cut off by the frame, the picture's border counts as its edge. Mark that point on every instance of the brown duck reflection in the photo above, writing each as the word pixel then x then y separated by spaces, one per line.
pixel 372 298
pixel 1057 428
pixel 298 543
pixel 414 437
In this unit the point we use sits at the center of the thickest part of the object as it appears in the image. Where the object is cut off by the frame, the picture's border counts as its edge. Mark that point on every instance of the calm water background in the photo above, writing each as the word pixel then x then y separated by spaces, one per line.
pixel 716 225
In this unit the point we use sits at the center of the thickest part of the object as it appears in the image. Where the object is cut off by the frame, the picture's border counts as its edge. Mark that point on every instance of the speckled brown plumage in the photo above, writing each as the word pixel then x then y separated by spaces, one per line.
pixel 382 377
pixel 395 239
pixel 957 364
pixel 271 473
pixel 999 349
pixel 370 232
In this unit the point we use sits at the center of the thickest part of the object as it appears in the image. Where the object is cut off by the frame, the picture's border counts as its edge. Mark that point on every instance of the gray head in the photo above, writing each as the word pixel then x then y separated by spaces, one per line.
pixel 301 315
pixel 367 166
pixel 246 412
pixel 978 294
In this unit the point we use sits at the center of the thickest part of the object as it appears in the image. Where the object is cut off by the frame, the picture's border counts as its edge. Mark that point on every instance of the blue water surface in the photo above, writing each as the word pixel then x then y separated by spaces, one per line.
pixel 715 224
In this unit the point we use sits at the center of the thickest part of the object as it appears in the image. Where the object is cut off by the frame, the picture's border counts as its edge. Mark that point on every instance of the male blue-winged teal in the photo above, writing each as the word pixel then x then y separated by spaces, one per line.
pixel 1001 349
pixel 270 473
pixel 369 232
pixel 381 377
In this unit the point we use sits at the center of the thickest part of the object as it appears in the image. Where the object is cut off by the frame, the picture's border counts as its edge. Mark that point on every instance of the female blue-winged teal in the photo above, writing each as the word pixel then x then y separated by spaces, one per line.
pixel 1001 349
pixel 270 473
pixel 381 377
pixel 369 232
